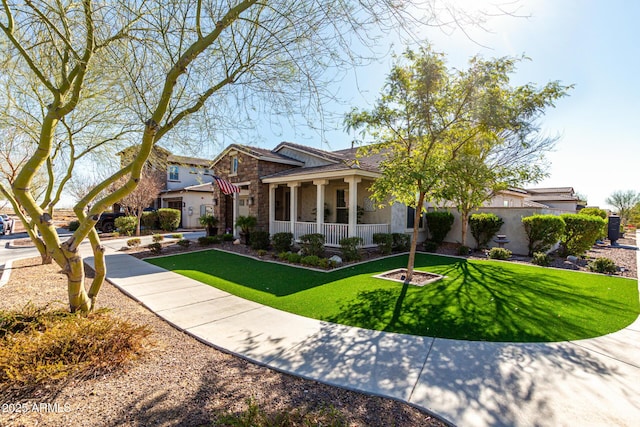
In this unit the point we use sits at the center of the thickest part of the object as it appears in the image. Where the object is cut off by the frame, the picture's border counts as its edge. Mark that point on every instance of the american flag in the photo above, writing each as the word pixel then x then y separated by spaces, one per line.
pixel 225 186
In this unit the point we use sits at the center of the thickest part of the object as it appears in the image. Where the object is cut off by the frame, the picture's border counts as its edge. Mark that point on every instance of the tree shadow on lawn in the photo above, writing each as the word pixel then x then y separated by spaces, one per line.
pixel 482 301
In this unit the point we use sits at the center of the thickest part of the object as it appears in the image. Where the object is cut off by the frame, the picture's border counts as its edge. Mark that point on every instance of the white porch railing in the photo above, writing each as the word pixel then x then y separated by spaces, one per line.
pixel 303 228
pixel 366 232
pixel 333 232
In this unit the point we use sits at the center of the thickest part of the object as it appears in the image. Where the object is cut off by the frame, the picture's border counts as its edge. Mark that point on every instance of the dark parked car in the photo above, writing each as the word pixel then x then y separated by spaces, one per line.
pixel 106 222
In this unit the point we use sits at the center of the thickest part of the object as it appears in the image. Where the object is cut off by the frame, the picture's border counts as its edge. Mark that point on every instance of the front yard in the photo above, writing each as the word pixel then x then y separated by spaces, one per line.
pixel 477 300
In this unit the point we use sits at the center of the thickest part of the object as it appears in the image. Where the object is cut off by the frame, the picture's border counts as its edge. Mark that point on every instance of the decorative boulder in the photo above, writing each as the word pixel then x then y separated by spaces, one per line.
pixel 572 259
pixel 336 259
pixel 236 242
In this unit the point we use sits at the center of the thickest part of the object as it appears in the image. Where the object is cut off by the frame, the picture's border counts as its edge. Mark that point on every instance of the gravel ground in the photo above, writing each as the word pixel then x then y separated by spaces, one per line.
pixel 181 382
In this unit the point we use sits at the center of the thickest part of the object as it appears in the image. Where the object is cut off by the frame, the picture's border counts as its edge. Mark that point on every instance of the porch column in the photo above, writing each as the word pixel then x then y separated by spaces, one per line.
pixel 353 203
pixel 272 206
pixel 293 188
pixel 320 184
pixel 236 204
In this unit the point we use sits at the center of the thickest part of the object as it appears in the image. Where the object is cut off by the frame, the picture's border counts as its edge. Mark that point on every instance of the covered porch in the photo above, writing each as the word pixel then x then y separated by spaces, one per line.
pixel 336 206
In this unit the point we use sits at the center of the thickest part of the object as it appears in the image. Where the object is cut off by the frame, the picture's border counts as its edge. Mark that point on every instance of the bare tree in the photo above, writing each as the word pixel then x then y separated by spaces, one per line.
pixel 144 194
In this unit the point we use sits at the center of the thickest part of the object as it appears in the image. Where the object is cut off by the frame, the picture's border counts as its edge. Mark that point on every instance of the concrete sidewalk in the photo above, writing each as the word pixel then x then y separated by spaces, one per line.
pixel 591 382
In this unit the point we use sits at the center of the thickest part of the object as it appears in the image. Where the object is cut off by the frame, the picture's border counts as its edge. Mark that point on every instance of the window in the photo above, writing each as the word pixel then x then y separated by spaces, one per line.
pixel 342 210
pixel 234 165
pixel 173 173
pixel 411 215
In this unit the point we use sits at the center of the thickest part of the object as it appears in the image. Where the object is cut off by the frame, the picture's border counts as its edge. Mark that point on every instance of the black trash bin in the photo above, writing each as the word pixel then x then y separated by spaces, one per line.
pixel 613 231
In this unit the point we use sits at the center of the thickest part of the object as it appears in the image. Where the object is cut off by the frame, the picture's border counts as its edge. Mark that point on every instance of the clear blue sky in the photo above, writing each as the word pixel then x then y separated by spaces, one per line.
pixel 594 44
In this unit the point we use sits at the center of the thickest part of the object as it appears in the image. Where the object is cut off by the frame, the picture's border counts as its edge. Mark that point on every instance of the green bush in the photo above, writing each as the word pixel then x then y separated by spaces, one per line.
pixel 543 231
pixel 155 248
pixel 149 220
pixel 283 256
pixel 262 252
pixel 464 250
pixel 209 240
pixel 310 260
pixel 312 244
pixel 227 237
pixel 134 243
pixel 126 224
pixel 349 248
pixel 168 219
pixel 294 258
pixel 594 212
pixel 603 265
pixel 282 242
pixel 73 225
pixel 439 224
pixel 483 227
pixel 499 253
pixel 430 246
pixel 177 236
pixel 401 242
pixel 259 240
pixel 580 233
pixel 384 242
pixel 541 258
pixel 157 238
pixel 185 243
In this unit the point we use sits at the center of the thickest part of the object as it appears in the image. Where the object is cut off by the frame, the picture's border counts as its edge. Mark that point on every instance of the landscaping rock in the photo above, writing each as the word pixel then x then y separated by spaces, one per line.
pixel 336 259
pixel 572 259
pixel 236 242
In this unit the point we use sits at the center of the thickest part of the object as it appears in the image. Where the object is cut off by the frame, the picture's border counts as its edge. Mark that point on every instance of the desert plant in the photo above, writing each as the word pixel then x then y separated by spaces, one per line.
pixel 384 242
pixel 439 224
pixel 430 246
pixel 401 242
pixel 580 233
pixel 168 219
pixel 262 252
pixel 349 248
pixel 134 243
pixel 310 260
pixel 283 256
pixel 499 253
pixel 282 241
pixel 155 248
pixel 543 231
pixel 603 265
pixel 177 236
pixel 210 222
pixel 246 224
pixel 483 227
pixel 126 224
pixel 464 250
pixel 260 240
pixel 312 244
pixel 157 238
pixel 541 258
pixel 185 243
pixel 73 225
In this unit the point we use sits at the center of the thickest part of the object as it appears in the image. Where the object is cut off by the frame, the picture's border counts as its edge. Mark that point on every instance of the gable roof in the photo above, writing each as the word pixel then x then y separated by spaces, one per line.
pixel 185 160
pixel 206 187
pixel 257 153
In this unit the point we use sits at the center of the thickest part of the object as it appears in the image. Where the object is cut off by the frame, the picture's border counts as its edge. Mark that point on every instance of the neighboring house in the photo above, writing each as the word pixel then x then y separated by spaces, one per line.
pixel 562 198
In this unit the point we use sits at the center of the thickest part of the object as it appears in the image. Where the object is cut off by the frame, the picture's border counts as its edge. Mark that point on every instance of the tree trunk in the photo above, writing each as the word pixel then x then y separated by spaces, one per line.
pixel 414 238
pixel 465 226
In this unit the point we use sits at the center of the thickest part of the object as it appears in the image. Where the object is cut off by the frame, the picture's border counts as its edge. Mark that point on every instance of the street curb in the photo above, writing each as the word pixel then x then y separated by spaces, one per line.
pixel 6 272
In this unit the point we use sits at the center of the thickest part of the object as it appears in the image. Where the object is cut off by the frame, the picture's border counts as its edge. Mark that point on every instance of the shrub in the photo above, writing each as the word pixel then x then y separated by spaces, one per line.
pixel 384 242
pixel 126 224
pixel 227 237
pixel 149 220
pixel 311 260
pixel 208 240
pixel 543 231
pixel 430 246
pixel 580 233
pixel 185 243
pixel 541 258
pixel 73 225
pixel 259 240
pixel 40 346
pixel 464 250
pixel 282 242
pixel 134 243
pixel 262 252
pixel 603 265
pixel 155 248
pixel 401 242
pixel 312 244
pixel 349 248
pixel 168 219
pixel 283 256
pixel 293 257
pixel 177 236
pixel 439 224
pixel 483 227
pixel 325 263
pixel 499 253
pixel 594 212
pixel 157 238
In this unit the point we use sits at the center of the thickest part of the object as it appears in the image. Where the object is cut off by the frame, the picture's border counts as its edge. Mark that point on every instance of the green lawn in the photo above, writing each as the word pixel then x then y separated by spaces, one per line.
pixel 478 300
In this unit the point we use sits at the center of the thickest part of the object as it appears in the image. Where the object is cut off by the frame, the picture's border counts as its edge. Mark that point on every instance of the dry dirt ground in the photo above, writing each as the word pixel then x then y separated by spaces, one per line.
pixel 181 382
